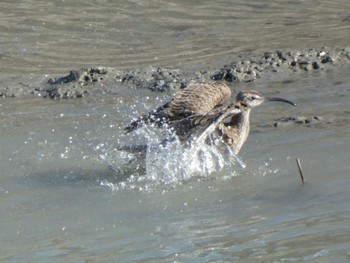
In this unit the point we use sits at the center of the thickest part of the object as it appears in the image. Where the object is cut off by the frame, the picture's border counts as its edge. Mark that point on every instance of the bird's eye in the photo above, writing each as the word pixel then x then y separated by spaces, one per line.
pixel 253 97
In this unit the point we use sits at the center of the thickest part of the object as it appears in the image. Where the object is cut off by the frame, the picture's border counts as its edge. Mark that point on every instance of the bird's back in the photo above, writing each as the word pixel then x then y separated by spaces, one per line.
pixel 195 100
pixel 198 99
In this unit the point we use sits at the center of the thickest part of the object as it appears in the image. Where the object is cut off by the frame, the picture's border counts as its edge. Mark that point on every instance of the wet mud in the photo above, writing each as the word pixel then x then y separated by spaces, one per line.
pixel 285 121
pixel 249 67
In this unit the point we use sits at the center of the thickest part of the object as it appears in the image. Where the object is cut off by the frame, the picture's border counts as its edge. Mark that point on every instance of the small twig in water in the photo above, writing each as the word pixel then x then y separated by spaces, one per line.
pixel 300 170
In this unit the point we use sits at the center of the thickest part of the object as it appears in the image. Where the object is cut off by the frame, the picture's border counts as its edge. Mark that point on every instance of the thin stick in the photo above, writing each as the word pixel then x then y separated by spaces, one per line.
pixel 300 170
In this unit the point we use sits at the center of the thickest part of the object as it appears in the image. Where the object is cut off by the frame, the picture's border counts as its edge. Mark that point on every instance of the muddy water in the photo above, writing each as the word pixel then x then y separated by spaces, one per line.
pixel 56 36
pixel 60 201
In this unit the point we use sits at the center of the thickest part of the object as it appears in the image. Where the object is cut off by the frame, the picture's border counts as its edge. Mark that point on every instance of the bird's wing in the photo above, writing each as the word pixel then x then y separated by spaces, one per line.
pixel 215 122
pixel 202 125
pixel 195 100
pixel 157 116
pixel 198 99
pixel 212 127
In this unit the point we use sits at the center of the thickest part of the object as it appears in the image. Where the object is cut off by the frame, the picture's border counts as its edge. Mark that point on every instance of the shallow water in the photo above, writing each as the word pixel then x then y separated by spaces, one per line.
pixel 61 201
pixel 52 37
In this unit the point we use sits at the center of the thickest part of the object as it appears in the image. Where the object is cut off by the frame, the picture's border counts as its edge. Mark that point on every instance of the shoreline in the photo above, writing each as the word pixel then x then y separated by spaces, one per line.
pixel 248 67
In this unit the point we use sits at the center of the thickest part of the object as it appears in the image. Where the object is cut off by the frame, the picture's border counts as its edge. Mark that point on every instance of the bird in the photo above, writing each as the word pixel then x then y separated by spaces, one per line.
pixel 203 109
pixel 196 100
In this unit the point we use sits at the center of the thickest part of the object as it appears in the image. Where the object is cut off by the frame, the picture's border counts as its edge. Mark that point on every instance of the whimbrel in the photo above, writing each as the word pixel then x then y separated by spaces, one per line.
pixel 207 107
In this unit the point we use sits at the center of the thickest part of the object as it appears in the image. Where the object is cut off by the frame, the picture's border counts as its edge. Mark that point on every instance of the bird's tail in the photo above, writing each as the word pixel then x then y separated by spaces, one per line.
pixel 137 124
pixel 134 149
pixel 141 149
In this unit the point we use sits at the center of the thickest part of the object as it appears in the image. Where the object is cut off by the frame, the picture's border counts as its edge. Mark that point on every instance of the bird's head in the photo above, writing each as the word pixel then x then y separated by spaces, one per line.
pixel 252 98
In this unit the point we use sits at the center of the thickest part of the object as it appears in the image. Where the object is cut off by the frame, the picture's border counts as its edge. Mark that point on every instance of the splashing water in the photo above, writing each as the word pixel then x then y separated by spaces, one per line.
pixel 169 164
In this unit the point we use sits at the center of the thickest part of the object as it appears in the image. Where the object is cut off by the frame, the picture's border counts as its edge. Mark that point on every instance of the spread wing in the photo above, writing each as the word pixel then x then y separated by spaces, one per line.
pixel 188 106
pixel 202 125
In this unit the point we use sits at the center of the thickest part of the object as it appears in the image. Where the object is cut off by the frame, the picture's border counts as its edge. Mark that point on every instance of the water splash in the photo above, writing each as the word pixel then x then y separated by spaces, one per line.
pixel 168 164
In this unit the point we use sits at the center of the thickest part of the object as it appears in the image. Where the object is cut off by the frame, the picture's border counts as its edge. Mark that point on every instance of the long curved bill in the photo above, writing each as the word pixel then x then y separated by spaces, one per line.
pixel 282 100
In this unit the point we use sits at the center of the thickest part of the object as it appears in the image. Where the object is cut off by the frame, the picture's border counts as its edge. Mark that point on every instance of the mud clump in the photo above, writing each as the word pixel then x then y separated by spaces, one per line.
pixel 258 66
pixel 248 67
pixel 75 85
pixel 79 83
pixel 286 121
pixel 155 79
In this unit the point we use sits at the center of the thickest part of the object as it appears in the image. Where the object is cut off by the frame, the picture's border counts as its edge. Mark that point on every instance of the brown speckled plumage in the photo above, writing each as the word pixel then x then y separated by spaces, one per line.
pixel 196 99
pixel 198 106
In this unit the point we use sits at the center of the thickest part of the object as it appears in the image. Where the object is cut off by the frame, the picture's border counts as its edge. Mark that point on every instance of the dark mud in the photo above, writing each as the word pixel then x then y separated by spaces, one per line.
pixel 281 64
pixel 285 121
